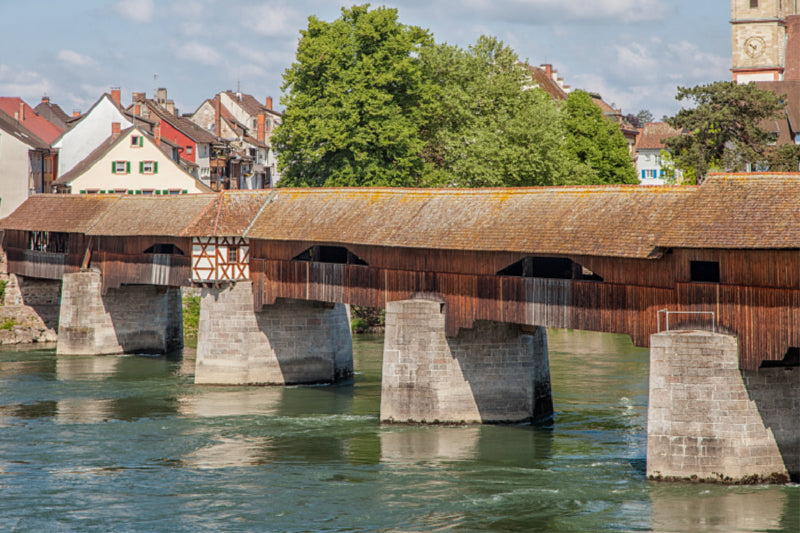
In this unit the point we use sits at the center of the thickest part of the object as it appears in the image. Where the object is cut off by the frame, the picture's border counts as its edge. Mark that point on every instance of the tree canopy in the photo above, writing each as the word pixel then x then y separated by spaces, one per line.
pixel 723 129
pixel 372 102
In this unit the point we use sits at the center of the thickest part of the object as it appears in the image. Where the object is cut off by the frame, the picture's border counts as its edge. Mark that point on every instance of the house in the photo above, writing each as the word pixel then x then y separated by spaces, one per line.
pixel 91 129
pixel 649 145
pixel 195 144
pixel 247 125
pixel 53 114
pixel 546 78
pixel 22 163
pixel 129 161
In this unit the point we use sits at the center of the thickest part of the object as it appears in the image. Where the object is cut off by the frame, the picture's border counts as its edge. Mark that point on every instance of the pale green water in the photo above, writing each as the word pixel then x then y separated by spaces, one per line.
pixel 120 444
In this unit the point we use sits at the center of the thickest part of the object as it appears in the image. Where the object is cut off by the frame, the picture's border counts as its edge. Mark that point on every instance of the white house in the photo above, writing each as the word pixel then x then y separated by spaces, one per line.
pixel 131 162
pixel 22 157
pixel 75 144
pixel 649 145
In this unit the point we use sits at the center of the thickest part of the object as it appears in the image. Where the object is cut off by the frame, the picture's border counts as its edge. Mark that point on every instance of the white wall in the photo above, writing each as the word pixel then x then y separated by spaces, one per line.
pixel 14 173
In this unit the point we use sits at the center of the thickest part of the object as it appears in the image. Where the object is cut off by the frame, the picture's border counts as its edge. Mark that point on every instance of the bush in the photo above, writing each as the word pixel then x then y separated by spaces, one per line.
pixel 191 316
pixel 359 325
pixel 8 324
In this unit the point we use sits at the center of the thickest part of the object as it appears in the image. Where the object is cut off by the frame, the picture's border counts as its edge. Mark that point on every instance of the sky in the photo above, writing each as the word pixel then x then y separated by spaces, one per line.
pixel 633 52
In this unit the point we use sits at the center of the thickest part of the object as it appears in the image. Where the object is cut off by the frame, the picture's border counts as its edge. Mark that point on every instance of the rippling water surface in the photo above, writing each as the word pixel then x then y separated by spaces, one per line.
pixel 97 444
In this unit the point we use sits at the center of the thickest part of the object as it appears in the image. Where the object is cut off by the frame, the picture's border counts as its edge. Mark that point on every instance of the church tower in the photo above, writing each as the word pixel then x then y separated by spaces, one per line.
pixel 759 38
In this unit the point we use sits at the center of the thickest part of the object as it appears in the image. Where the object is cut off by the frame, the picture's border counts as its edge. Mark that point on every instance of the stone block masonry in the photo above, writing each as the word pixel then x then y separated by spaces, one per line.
pixel 708 420
pixel 131 319
pixel 290 342
pixel 490 374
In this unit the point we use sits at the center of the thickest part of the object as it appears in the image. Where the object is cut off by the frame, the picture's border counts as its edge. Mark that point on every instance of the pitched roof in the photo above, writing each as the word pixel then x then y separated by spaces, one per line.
pixel 789 123
pixel 250 105
pixel 53 114
pixel 546 83
pixel 620 221
pixel 70 213
pixel 186 126
pixel 13 127
pixel 653 134
pixel 738 211
pixel 151 215
pixel 230 214
pixel 38 125
pixel 96 155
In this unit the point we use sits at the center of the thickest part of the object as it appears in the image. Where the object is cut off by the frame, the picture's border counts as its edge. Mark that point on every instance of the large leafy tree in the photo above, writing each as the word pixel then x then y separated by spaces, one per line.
pixel 351 101
pixel 596 142
pixel 723 128
pixel 485 125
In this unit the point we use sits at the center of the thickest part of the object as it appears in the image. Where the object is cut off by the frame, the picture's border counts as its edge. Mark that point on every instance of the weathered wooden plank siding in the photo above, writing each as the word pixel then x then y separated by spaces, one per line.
pixel 142 269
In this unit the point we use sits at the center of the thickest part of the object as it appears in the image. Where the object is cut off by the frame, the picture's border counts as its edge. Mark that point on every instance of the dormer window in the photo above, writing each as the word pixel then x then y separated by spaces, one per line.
pixel 137 141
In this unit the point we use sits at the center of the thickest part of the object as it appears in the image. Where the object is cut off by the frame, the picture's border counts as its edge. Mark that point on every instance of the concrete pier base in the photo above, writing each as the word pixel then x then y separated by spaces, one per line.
pixel 492 373
pixel 290 342
pixel 131 319
pixel 709 420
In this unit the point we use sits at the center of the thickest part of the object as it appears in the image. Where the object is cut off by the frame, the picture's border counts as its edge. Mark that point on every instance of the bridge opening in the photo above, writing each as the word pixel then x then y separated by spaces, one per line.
pixel 164 248
pixel 704 271
pixel 791 359
pixel 549 268
pixel 48 241
pixel 330 254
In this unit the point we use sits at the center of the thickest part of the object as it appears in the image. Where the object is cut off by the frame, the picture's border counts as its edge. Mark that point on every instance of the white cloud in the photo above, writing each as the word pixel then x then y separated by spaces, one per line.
pixel 547 12
pixel 197 53
pixel 75 59
pixel 136 11
pixel 28 85
pixel 275 21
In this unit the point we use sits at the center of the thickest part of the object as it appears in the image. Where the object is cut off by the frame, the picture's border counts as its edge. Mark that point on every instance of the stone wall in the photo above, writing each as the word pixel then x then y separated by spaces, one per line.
pixel 706 421
pixel 131 319
pixel 289 342
pixel 492 373
pixel 42 295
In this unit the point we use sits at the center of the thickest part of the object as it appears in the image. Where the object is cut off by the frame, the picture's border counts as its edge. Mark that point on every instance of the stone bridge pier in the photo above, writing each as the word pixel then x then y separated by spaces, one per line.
pixel 707 419
pixel 493 373
pixel 130 319
pixel 289 342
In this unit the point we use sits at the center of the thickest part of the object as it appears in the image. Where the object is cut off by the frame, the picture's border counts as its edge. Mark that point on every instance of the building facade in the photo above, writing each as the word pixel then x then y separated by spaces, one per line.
pixel 760 38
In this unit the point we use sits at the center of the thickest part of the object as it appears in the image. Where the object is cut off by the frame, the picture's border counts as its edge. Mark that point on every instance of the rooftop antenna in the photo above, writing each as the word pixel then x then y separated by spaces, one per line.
pixel 155 86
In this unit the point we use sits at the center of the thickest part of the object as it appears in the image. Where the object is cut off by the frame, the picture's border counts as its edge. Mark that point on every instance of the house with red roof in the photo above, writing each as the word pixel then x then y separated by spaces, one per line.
pixel 649 145
pixel 23 157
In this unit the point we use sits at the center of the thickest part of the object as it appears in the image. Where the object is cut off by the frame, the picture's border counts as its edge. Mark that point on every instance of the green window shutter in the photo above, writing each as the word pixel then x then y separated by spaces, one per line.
pixel 165 191
pixel 185 191
pixel 155 167
pixel 113 167
pixel 141 167
pixel 158 192
pixel 83 191
pixel 138 191
pixel 130 191
pixel 141 140
pixel 127 167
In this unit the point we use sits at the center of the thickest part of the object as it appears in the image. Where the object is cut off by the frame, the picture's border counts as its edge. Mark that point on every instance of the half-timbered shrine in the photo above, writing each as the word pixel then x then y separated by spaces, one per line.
pixel 708 277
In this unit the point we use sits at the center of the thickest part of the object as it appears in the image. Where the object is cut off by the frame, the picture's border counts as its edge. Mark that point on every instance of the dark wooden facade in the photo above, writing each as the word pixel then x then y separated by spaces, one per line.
pixel 757 296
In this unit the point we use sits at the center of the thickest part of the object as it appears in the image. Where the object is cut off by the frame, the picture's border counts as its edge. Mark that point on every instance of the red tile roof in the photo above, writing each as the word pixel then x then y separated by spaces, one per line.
pixel 653 135
pixel 15 107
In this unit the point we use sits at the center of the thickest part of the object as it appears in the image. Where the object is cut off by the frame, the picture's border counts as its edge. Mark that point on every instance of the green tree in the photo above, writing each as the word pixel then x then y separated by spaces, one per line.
pixel 596 142
pixel 351 101
pixel 723 128
pixel 484 123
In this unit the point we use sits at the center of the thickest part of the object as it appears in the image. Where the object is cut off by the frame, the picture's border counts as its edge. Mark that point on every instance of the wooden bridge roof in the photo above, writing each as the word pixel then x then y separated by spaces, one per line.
pixel 731 211
pixel 620 221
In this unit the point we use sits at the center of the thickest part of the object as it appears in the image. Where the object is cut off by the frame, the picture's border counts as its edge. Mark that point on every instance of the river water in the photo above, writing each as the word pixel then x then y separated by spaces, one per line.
pixel 99 444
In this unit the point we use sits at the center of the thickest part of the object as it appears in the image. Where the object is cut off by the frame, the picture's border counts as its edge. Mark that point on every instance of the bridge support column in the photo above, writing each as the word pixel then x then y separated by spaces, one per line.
pixel 492 373
pixel 709 420
pixel 290 342
pixel 131 319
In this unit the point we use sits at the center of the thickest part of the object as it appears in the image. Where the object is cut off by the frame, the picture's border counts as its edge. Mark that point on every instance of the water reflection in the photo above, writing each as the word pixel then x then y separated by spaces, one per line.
pixel 228 401
pixel 710 509
pixel 429 444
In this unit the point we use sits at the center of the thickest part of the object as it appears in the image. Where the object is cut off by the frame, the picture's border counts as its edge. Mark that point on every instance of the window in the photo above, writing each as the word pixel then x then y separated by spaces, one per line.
pixel 189 150
pixel 753 4
pixel 174 191
pixel 549 268
pixel 704 271
pixel 120 167
pixel 137 140
pixel 148 167
pixel 255 123
pixel 149 192
pixel 233 254
pixel 330 254
pixel 164 248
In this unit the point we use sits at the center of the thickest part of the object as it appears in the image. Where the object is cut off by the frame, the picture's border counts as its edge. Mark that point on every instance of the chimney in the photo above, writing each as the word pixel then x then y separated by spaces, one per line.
pixel 548 70
pixel 269 103
pixel 76 113
pixel 161 96
pixel 157 133
pixel 115 95
pixel 137 109
pixel 45 99
pixel 21 111
pixel 217 117
pixel 260 122
pixel 116 129
pixel 792 72
pixel 170 105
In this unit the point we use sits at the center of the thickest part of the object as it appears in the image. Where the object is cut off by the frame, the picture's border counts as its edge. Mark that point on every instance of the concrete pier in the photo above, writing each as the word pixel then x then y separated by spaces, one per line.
pixel 490 374
pixel 131 319
pixel 709 420
pixel 290 342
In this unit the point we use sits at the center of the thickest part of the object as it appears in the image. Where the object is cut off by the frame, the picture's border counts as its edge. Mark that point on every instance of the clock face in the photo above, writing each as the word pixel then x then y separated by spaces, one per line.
pixel 754 46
